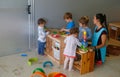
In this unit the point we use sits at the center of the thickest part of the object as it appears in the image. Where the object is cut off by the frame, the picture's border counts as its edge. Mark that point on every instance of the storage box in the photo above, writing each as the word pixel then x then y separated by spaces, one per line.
pixel 56 53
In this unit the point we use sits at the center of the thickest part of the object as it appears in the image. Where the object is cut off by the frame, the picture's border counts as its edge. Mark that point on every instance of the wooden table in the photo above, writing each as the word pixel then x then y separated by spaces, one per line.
pixel 85 63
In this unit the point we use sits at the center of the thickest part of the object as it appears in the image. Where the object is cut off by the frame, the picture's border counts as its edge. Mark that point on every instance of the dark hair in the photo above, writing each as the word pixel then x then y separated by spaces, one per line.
pixel 103 21
pixel 84 20
pixel 74 30
pixel 68 15
pixel 41 21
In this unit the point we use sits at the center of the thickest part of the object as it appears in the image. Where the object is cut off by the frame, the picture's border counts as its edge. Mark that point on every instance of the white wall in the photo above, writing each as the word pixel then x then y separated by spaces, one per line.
pixel 14 29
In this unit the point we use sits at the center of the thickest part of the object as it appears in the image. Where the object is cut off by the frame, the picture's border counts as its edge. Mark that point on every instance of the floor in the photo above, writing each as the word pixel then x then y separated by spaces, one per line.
pixel 17 66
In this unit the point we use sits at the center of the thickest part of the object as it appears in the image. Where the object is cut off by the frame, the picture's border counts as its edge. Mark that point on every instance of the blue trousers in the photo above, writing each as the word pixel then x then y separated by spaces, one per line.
pixel 41 47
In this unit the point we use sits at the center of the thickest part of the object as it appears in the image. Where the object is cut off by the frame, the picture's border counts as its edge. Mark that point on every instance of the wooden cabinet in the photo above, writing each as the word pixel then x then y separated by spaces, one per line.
pixel 114 30
pixel 114 33
pixel 84 61
pixel 55 48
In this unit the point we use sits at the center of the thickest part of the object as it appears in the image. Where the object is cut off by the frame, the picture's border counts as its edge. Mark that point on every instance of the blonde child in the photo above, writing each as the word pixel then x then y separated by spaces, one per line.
pixel 41 36
pixel 71 43
pixel 70 22
pixel 83 28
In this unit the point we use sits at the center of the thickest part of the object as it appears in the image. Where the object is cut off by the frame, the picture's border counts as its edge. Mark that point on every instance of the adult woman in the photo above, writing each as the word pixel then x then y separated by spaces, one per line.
pixel 99 38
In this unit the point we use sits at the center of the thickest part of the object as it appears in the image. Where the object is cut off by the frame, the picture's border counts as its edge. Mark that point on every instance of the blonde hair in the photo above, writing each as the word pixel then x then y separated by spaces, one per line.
pixel 84 20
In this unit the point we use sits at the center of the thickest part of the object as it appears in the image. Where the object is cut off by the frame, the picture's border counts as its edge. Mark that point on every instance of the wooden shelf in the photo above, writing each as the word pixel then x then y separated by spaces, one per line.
pixel 113 42
pixel 86 62
pixel 114 30
pixel 54 54
pixel 77 66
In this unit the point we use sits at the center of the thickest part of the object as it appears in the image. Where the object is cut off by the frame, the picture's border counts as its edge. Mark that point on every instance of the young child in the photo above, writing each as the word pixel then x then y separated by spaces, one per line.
pixel 71 43
pixel 41 36
pixel 84 32
pixel 70 22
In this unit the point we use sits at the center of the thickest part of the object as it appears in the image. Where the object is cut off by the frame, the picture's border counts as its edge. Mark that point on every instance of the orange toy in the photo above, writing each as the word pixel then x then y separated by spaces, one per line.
pixel 37 73
pixel 60 75
pixel 53 74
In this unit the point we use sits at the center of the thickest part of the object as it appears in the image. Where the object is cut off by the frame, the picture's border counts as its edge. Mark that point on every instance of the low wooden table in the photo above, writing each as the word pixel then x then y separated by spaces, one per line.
pixel 86 62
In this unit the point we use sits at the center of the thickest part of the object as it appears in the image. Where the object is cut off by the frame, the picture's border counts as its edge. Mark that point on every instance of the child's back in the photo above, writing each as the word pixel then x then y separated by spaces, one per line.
pixel 83 28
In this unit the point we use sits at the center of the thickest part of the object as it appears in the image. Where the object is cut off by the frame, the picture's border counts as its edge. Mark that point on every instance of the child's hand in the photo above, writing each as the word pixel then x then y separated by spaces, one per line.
pixel 48 32
pixel 62 30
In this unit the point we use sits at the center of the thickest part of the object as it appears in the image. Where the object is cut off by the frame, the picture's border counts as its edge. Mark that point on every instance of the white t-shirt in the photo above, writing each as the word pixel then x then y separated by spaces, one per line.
pixel 71 45
pixel 42 34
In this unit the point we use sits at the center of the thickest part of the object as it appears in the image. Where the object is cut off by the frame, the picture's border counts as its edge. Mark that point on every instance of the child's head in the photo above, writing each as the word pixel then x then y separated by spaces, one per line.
pixel 83 21
pixel 68 16
pixel 41 22
pixel 74 31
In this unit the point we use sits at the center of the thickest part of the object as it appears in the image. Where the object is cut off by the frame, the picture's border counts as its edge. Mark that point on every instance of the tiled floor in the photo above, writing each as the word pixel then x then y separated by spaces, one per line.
pixel 16 66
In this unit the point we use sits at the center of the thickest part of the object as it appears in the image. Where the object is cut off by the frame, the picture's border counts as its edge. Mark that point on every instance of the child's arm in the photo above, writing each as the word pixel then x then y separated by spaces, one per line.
pixel 78 43
pixel 66 30
pixel 65 40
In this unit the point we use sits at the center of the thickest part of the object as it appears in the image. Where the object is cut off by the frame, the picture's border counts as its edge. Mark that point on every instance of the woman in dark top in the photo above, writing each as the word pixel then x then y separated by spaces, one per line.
pixel 99 38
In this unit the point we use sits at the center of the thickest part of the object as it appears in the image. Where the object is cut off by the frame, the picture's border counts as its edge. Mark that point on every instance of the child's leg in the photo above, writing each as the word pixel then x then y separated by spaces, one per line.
pixel 39 47
pixel 42 48
pixel 71 64
pixel 66 62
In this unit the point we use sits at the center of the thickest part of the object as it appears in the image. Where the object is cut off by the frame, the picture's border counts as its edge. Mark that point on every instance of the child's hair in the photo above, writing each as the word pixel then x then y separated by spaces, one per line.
pixel 84 20
pixel 41 21
pixel 74 30
pixel 68 15
pixel 102 19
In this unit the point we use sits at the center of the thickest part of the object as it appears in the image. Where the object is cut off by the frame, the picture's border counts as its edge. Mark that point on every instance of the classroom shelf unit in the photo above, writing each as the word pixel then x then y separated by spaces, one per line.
pixel 84 61
pixel 114 31
pixel 55 48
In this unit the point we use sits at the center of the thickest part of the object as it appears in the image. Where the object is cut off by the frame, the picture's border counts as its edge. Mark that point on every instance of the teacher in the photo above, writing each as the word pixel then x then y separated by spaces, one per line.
pixel 99 38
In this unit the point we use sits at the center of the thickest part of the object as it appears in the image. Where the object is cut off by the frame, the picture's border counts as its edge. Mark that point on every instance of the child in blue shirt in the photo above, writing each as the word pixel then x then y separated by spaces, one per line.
pixel 84 29
pixel 41 36
pixel 70 22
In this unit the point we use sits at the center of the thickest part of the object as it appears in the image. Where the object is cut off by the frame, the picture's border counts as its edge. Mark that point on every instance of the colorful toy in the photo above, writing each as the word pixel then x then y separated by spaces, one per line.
pixel 31 60
pixel 24 54
pixel 46 63
pixel 84 49
pixel 60 75
pixel 38 69
pixel 55 35
pixel 37 73
pixel 53 74
pixel 84 41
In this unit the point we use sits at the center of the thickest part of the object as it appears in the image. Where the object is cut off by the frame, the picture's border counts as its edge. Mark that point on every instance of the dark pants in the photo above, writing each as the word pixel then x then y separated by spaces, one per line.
pixel 41 46
pixel 97 55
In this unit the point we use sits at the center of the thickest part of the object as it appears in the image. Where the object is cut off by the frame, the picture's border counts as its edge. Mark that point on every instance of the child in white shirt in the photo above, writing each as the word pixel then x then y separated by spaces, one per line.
pixel 41 36
pixel 71 42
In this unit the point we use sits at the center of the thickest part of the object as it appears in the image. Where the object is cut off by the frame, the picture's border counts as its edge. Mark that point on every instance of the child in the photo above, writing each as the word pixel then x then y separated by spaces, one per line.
pixel 84 31
pixel 70 22
pixel 41 36
pixel 71 42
